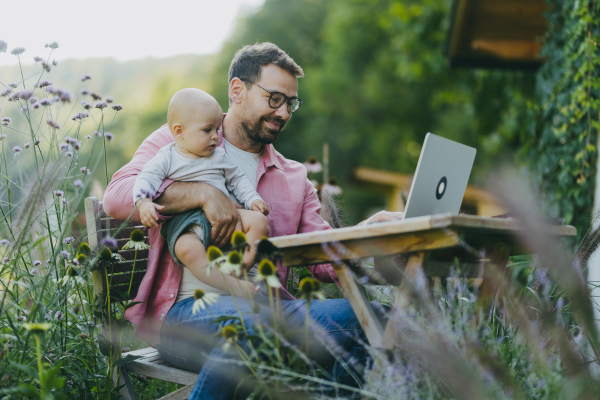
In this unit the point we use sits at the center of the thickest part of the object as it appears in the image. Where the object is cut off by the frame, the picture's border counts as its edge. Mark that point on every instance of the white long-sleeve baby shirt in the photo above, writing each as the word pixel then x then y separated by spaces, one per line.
pixel 217 170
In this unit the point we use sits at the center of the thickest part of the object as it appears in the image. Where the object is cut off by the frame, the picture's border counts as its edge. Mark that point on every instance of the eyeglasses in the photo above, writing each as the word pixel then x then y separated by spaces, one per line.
pixel 276 99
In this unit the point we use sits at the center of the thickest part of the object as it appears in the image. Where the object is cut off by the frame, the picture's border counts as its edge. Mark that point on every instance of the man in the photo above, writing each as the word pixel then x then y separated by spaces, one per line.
pixel 263 90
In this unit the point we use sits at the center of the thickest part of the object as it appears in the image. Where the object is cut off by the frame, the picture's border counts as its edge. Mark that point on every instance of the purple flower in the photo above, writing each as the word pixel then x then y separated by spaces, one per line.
pixel 2 136
pixel 37 141
pixel 26 145
pixel 85 78
pixel 109 136
pixel 69 154
pixel 117 107
pixel 84 170
pixel 97 133
pixel 46 66
pixel 48 314
pixel 17 51
pixel 44 83
pixel 13 85
pixel 17 150
pixel 25 94
pixel 64 201
pixel 68 240
pixel 63 146
pixel 65 97
pixel 86 105
pixel 6 260
pixel 79 116
pixel 37 263
pixel 5 121
pixel 58 316
pixel 44 102
pixel 101 105
pixel 88 137
pixel 58 193
pixel 34 271
pixel 33 99
pixel 4 242
pixel 84 92
pixel 52 45
pixel 77 146
pixel 96 96
pixel 109 242
pixel 65 254
pixel 78 183
pixel 3 46
pixel 109 99
pixel 52 123
pixel 6 92
pixel 54 62
pixel 13 97
pixel 38 59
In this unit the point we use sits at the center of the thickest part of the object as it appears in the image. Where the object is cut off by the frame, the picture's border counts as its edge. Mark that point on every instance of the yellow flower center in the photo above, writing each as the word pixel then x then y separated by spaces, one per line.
pixel 266 268
pixel 309 285
pixel 229 332
pixel 198 294
pixel 84 248
pixel 213 253
pixel 71 271
pixel 238 238
pixel 234 258
pixel 137 235
pixel 81 258
pixel 105 254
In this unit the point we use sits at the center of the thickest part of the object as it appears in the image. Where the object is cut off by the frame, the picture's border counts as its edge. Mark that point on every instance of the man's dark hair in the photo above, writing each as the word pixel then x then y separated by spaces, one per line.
pixel 249 60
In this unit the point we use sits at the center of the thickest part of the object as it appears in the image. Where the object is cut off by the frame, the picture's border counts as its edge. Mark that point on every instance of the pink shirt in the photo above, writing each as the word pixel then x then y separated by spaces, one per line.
pixel 283 185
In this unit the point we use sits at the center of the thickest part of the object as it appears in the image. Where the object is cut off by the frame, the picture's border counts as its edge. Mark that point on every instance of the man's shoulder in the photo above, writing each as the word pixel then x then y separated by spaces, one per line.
pixel 291 165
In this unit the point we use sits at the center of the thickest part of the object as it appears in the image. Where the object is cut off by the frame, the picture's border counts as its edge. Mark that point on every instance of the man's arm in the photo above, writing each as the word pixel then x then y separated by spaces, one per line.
pixel 219 209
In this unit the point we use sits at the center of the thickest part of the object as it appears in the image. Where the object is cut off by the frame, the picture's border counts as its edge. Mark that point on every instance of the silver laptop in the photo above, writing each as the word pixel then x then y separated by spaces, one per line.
pixel 441 177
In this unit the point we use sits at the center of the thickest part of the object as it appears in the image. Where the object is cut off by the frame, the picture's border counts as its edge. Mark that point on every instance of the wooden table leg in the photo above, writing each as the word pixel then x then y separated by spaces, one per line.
pixel 489 288
pixel 414 266
pixel 360 304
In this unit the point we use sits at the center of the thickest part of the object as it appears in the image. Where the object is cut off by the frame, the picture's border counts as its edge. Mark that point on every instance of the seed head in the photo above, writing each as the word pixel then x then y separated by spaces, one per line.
pixel 234 258
pixel 72 272
pixel 238 239
pixel 105 254
pixel 37 328
pixel 137 235
pixel 81 258
pixel 213 253
pixel 117 107
pixel 17 51
pixel 84 248
pixel 309 285
pixel 198 294
pixel 229 332
pixel 266 267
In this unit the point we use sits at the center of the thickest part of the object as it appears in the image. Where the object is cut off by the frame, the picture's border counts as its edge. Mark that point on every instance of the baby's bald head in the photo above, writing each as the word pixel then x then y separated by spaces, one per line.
pixel 189 105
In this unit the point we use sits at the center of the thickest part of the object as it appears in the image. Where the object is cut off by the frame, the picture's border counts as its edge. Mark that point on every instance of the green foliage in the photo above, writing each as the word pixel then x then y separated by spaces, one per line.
pixel 560 143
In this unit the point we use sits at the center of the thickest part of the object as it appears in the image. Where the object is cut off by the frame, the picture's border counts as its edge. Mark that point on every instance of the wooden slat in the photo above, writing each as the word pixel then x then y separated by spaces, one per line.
pixel 125 288
pixel 109 223
pixel 125 278
pixel 130 254
pixel 179 394
pixel 122 234
pixel 127 266
pixel 162 372
pixel 146 351
pixel 101 212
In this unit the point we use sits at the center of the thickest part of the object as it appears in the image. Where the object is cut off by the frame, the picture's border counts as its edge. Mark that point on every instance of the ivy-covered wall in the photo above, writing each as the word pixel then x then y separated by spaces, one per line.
pixel 560 143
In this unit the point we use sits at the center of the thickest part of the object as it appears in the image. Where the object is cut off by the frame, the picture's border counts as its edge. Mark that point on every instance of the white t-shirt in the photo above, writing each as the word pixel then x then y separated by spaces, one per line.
pixel 248 164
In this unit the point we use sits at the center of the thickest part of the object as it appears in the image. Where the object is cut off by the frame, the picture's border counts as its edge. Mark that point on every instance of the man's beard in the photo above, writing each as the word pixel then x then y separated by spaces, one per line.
pixel 263 134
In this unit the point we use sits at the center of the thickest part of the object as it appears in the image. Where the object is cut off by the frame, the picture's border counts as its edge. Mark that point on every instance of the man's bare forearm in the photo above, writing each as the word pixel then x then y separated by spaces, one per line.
pixel 183 196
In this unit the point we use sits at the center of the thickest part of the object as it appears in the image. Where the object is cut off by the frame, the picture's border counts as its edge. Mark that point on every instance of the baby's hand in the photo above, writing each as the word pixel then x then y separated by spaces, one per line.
pixel 260 206
pixel 148 212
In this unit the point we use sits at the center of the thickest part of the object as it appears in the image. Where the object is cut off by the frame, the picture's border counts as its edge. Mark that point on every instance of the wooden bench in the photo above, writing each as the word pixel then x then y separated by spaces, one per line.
pixel 150 364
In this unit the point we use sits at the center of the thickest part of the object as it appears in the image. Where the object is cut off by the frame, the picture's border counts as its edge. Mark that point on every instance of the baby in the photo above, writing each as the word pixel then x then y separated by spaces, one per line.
pixel 194 117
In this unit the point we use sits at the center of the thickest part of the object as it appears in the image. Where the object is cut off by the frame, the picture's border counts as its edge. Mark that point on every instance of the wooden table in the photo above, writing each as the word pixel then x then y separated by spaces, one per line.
pixel 403 249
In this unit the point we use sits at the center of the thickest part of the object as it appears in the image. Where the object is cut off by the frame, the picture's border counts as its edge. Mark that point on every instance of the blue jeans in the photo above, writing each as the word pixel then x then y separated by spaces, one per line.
pixel 191 342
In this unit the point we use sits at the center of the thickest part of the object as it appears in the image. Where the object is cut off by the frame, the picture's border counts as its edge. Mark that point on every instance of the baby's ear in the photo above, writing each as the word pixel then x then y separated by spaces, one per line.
pixel 178 130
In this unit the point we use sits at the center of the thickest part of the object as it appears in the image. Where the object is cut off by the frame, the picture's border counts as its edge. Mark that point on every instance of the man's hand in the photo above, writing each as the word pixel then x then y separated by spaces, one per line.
pixel 383 216
pixel 148 212
pixel 260 206
pixel 220 211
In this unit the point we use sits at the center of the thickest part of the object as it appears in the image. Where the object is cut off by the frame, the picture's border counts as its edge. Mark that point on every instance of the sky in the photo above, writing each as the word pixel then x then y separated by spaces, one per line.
pixel 125 29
